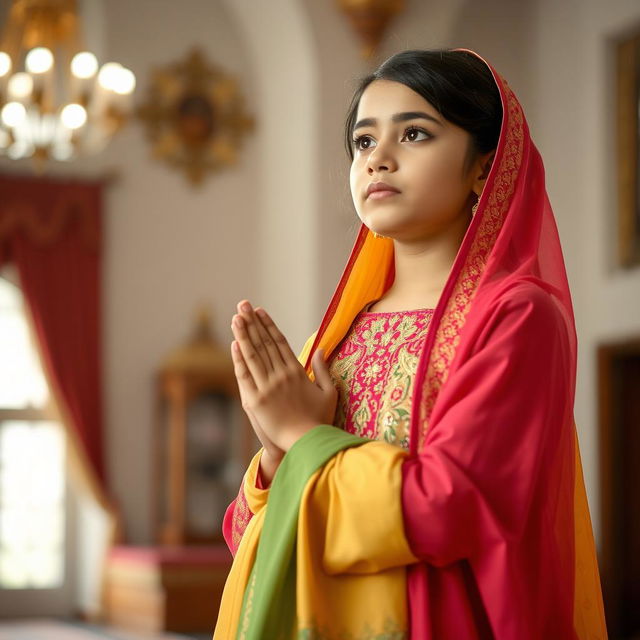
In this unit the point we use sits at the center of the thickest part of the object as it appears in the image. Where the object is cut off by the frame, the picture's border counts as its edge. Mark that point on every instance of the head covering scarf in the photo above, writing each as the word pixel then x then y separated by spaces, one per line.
pixel 487 515
pixel 509 265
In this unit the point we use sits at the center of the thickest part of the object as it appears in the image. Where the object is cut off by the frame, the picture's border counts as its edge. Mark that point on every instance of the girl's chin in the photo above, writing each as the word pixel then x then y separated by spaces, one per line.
pixel 377 224
pixel 390 223
pixel 387 233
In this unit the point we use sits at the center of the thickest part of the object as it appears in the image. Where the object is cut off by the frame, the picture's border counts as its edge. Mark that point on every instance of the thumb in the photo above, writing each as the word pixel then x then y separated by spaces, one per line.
pixel 321 370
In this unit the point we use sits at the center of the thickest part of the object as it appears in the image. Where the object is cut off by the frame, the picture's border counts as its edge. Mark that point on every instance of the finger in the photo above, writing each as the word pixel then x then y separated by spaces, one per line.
pixel 246 384
pixel 321 371
pixel 252 358
pixel 251 321
pixel 288 357
pixel 272 347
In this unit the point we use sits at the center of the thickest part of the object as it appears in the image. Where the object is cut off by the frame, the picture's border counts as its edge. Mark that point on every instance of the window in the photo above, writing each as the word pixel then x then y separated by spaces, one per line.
pixel 32 458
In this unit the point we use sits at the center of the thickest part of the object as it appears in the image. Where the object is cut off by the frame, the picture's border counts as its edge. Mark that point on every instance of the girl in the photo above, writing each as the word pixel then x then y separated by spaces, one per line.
pixel 429 482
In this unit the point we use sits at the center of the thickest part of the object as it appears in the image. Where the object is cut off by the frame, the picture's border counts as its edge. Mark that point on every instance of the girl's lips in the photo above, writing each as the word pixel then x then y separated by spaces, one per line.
pixel 378 195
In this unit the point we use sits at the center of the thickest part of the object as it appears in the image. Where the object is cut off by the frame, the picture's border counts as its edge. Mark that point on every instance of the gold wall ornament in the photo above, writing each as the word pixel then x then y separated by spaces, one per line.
pixel 370 19
pixel 194 116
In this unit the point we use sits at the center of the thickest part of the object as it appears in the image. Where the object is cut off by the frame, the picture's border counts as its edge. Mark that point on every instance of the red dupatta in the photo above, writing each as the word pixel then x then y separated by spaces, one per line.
pixel 493 493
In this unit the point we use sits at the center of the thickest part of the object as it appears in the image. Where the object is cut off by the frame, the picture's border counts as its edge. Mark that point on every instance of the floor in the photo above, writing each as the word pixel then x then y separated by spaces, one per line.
pixel 57 629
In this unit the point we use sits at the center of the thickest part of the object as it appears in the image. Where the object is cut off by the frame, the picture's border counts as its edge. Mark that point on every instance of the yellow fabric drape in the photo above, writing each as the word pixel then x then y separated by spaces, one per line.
pixel 588 612
pixel 350 584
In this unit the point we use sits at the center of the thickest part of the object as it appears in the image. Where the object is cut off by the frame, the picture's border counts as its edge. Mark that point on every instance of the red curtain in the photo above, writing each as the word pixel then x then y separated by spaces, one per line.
pixel 51 230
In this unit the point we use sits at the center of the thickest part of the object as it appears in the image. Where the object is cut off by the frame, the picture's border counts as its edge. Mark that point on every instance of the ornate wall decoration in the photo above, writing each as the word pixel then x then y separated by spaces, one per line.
pixel 194 116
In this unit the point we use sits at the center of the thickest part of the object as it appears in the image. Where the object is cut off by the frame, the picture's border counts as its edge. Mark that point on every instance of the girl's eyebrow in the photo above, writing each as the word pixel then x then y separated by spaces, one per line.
pixel 398 117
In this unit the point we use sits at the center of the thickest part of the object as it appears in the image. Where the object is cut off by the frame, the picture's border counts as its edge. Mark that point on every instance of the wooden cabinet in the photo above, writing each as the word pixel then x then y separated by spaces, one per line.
pixel 203 441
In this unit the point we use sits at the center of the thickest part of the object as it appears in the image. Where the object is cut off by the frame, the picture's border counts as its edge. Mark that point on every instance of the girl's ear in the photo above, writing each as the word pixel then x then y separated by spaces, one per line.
pixel 483 164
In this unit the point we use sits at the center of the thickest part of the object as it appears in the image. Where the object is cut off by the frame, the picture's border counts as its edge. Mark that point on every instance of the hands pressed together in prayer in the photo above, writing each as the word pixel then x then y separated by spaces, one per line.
pixel 282 403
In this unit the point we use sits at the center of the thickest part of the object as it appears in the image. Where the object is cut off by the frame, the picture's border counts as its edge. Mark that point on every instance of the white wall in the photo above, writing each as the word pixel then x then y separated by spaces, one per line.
pixel 574 117
pixel 168 246
pixel 248 233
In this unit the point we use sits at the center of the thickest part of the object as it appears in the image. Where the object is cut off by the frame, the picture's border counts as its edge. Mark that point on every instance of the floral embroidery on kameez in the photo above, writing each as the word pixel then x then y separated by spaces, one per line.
pixel 374 368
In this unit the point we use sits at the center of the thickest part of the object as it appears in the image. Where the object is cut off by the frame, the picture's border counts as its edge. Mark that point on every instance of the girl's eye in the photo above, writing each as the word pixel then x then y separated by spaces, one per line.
pixel 409 132
pixel 412 130
pixel 357 140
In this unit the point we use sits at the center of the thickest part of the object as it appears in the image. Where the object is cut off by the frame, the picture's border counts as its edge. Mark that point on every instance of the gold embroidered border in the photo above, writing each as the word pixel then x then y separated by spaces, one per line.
pixel 248 608
pixel 448 332
pixel 392 631
pixel 241 516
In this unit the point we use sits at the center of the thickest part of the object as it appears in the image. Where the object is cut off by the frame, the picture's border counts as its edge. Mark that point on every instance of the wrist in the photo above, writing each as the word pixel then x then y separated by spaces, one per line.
pixel 269 463
pixel 292 435
pixel 272 455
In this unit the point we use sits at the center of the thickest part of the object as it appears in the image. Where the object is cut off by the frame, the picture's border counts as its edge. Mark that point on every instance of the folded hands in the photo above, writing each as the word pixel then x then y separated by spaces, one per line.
pixel 281 401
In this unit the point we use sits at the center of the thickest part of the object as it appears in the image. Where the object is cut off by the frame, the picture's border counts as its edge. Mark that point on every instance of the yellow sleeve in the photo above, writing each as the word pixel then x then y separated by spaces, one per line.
pixel 256 498
pixel 356 501
pixel 351 549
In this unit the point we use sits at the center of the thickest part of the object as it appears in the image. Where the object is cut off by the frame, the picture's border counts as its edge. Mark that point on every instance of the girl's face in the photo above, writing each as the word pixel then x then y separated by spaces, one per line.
pixel 403 141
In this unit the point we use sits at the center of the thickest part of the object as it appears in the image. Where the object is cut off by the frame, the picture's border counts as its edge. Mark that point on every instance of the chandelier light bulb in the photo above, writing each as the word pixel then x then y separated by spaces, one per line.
pixel 125 82
pixel 45 133
pixel 62 152
pixel 13 114
pixel 5 64
pixel 20 149
pixel 84 65
pixel 20 85
pixel 39 60
pixel 109 74
pixel 73 116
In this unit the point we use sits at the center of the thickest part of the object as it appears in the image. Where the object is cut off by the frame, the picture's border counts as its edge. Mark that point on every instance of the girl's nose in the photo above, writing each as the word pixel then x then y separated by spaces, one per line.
pixel 379 162
pixel 380 166
pixel 381 158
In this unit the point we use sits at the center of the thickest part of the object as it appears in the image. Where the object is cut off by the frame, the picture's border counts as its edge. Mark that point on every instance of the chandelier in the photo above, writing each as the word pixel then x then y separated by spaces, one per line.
pixel 55 101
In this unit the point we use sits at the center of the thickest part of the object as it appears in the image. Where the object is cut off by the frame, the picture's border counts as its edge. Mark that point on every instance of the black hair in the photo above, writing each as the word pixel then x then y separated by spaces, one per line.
pixel 457 83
